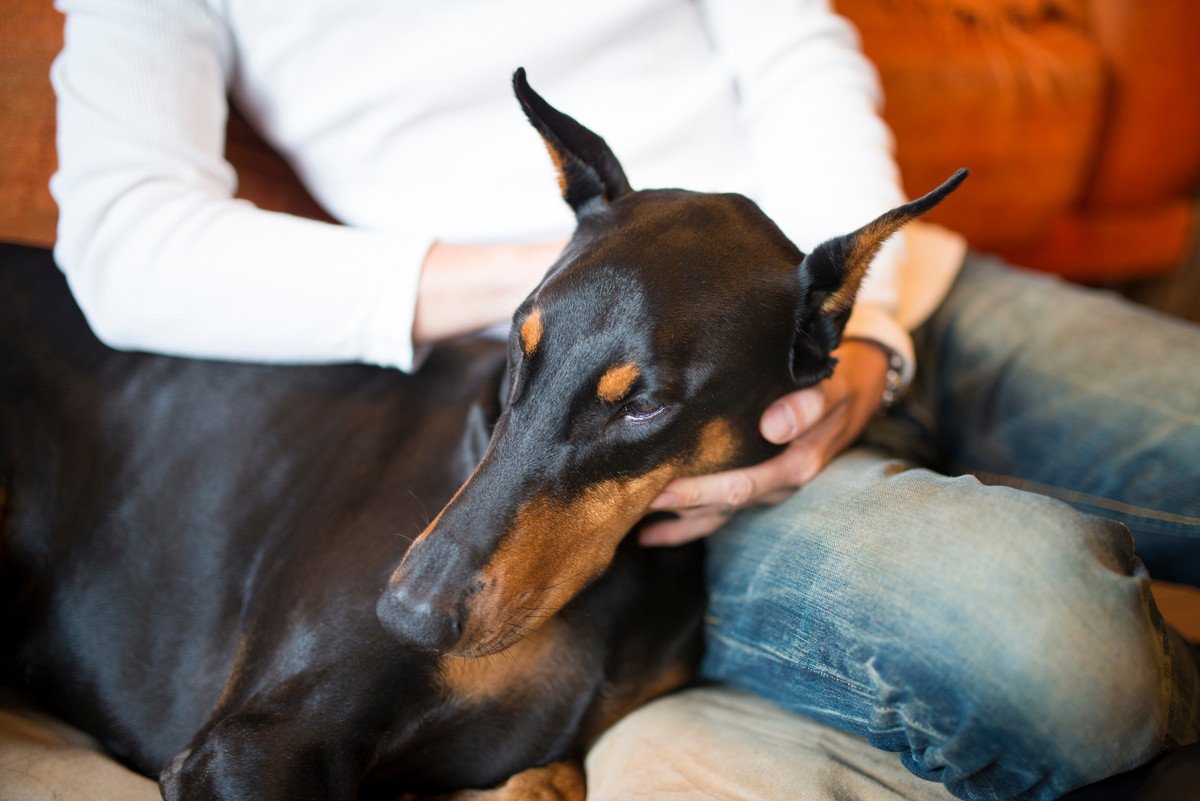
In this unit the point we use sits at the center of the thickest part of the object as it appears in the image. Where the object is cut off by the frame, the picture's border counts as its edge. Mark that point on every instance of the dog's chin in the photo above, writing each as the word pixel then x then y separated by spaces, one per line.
pixel 478 651
pixel 497 638
pixel 490 647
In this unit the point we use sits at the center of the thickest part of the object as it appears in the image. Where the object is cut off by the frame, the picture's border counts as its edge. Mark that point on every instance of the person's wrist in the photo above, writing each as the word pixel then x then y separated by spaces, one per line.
pixel 891 364
pixel 528 263
pixel 876 324
pixel 466 287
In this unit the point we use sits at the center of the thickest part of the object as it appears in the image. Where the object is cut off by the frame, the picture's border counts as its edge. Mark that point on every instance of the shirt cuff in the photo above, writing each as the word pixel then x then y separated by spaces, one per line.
pixel 389 340
pixel 871 322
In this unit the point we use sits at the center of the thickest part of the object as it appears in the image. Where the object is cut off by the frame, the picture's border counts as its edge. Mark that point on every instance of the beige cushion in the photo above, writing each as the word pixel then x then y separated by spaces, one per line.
pixel 712 743
pixel 720 743
pixel 42 758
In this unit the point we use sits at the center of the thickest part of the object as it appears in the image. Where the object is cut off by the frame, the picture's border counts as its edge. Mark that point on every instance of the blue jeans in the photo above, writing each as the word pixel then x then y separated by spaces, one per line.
pixel 994 628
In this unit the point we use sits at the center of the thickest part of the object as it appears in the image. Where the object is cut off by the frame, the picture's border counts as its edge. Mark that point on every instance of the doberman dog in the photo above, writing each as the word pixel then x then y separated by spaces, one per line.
pixel 208 565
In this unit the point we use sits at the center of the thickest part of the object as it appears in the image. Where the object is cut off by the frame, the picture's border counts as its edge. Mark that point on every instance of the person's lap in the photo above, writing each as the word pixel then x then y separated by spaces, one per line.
pixel 1002 642
pixel 1074 393
pixel 998 640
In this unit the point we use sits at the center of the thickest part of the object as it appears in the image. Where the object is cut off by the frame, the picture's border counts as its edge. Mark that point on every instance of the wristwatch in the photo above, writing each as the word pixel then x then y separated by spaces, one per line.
pixel 893 383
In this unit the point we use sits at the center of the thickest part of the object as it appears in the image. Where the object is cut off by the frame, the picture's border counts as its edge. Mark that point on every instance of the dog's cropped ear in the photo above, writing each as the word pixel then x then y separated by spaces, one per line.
pixel 589 175
pixel 830 278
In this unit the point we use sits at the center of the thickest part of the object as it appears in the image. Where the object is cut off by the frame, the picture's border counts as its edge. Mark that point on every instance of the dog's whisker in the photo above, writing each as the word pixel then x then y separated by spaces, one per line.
pixel 424 512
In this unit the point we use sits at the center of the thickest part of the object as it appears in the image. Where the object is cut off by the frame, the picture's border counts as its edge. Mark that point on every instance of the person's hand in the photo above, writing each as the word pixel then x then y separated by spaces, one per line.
pixel 817 423
pixel 467 287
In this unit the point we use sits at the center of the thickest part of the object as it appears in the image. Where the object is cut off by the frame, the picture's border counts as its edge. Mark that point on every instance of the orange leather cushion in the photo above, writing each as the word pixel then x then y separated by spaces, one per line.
pixel 30 37
pixel 1012 90
pixel 1151 147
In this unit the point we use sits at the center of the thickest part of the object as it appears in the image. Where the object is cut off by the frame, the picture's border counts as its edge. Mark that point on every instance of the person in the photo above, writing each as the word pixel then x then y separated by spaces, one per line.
pixel 1001 639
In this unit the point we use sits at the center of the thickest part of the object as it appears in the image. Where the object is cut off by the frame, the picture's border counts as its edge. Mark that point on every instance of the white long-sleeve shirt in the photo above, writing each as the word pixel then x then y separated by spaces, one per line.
pixel 399 117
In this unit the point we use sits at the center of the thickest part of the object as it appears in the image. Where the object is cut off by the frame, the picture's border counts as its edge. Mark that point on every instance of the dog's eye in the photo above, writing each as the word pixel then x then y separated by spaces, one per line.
pixel 641 411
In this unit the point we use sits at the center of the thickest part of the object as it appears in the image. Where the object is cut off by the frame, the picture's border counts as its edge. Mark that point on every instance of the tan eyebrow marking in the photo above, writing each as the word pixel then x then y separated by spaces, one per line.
pixel 531 332
pixel 617 381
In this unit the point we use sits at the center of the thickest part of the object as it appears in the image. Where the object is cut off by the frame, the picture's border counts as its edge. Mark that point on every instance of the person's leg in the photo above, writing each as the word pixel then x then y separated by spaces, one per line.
pixel 1069 392
pixel 1002 642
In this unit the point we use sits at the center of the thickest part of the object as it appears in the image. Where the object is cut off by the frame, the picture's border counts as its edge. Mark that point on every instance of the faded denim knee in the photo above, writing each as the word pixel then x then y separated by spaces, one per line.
pixel 1002 642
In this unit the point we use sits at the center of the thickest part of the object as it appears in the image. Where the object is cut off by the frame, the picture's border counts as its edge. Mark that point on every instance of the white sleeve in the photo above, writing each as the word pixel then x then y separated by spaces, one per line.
pixel 158 253
pixel 820 154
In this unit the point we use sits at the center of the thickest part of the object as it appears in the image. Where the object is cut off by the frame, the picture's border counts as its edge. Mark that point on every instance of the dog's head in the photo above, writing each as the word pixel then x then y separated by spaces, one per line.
pixel 649 351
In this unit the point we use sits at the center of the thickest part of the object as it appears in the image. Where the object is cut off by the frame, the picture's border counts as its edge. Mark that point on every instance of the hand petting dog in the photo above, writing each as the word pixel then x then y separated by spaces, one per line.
pixel 817 423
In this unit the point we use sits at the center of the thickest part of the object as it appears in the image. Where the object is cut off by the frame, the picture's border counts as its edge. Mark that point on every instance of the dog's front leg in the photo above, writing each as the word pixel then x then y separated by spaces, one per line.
pixel 264 757
pixel 558 781
pixel 308 738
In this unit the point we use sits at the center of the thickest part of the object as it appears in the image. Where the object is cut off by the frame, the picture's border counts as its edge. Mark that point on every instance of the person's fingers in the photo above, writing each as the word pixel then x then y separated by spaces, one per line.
pixel 788 471
pixel 676 532
pixel 793 414
pixel 737 488
pixel 777 496
pixel 732 488
pixel 709 510
pixel 705 503
pixel 825 440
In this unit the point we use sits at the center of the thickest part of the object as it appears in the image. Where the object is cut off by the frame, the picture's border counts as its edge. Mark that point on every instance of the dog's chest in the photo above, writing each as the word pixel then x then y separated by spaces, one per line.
pixel 503 713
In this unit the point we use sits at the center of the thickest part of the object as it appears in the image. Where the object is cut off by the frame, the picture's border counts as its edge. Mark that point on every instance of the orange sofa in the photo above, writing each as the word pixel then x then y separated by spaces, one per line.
pixel 1080 120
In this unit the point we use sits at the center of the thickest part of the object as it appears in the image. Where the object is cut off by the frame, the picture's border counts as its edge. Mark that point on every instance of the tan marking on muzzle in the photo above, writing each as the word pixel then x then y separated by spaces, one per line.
pixel 394 579
pixel 553 548
pixel 617 381
pixel 551 551
pixel 531 332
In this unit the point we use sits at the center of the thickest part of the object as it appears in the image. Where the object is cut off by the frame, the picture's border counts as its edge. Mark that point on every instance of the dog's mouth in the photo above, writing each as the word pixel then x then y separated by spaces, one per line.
pixel 499 642
pixel 495 623
pixel 494 646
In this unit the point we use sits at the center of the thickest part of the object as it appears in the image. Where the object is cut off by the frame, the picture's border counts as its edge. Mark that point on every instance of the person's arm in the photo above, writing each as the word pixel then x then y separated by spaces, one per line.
pixel 465 287
pixel 161 257
pixel 822 166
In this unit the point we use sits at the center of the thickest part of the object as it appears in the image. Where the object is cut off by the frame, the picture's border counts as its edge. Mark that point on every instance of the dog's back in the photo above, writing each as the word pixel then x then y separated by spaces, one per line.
pixel 152 503
pixel 193 551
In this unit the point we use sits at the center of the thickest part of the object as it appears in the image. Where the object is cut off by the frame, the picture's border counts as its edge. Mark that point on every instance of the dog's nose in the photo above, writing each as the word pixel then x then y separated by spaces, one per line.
pixel 421 619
